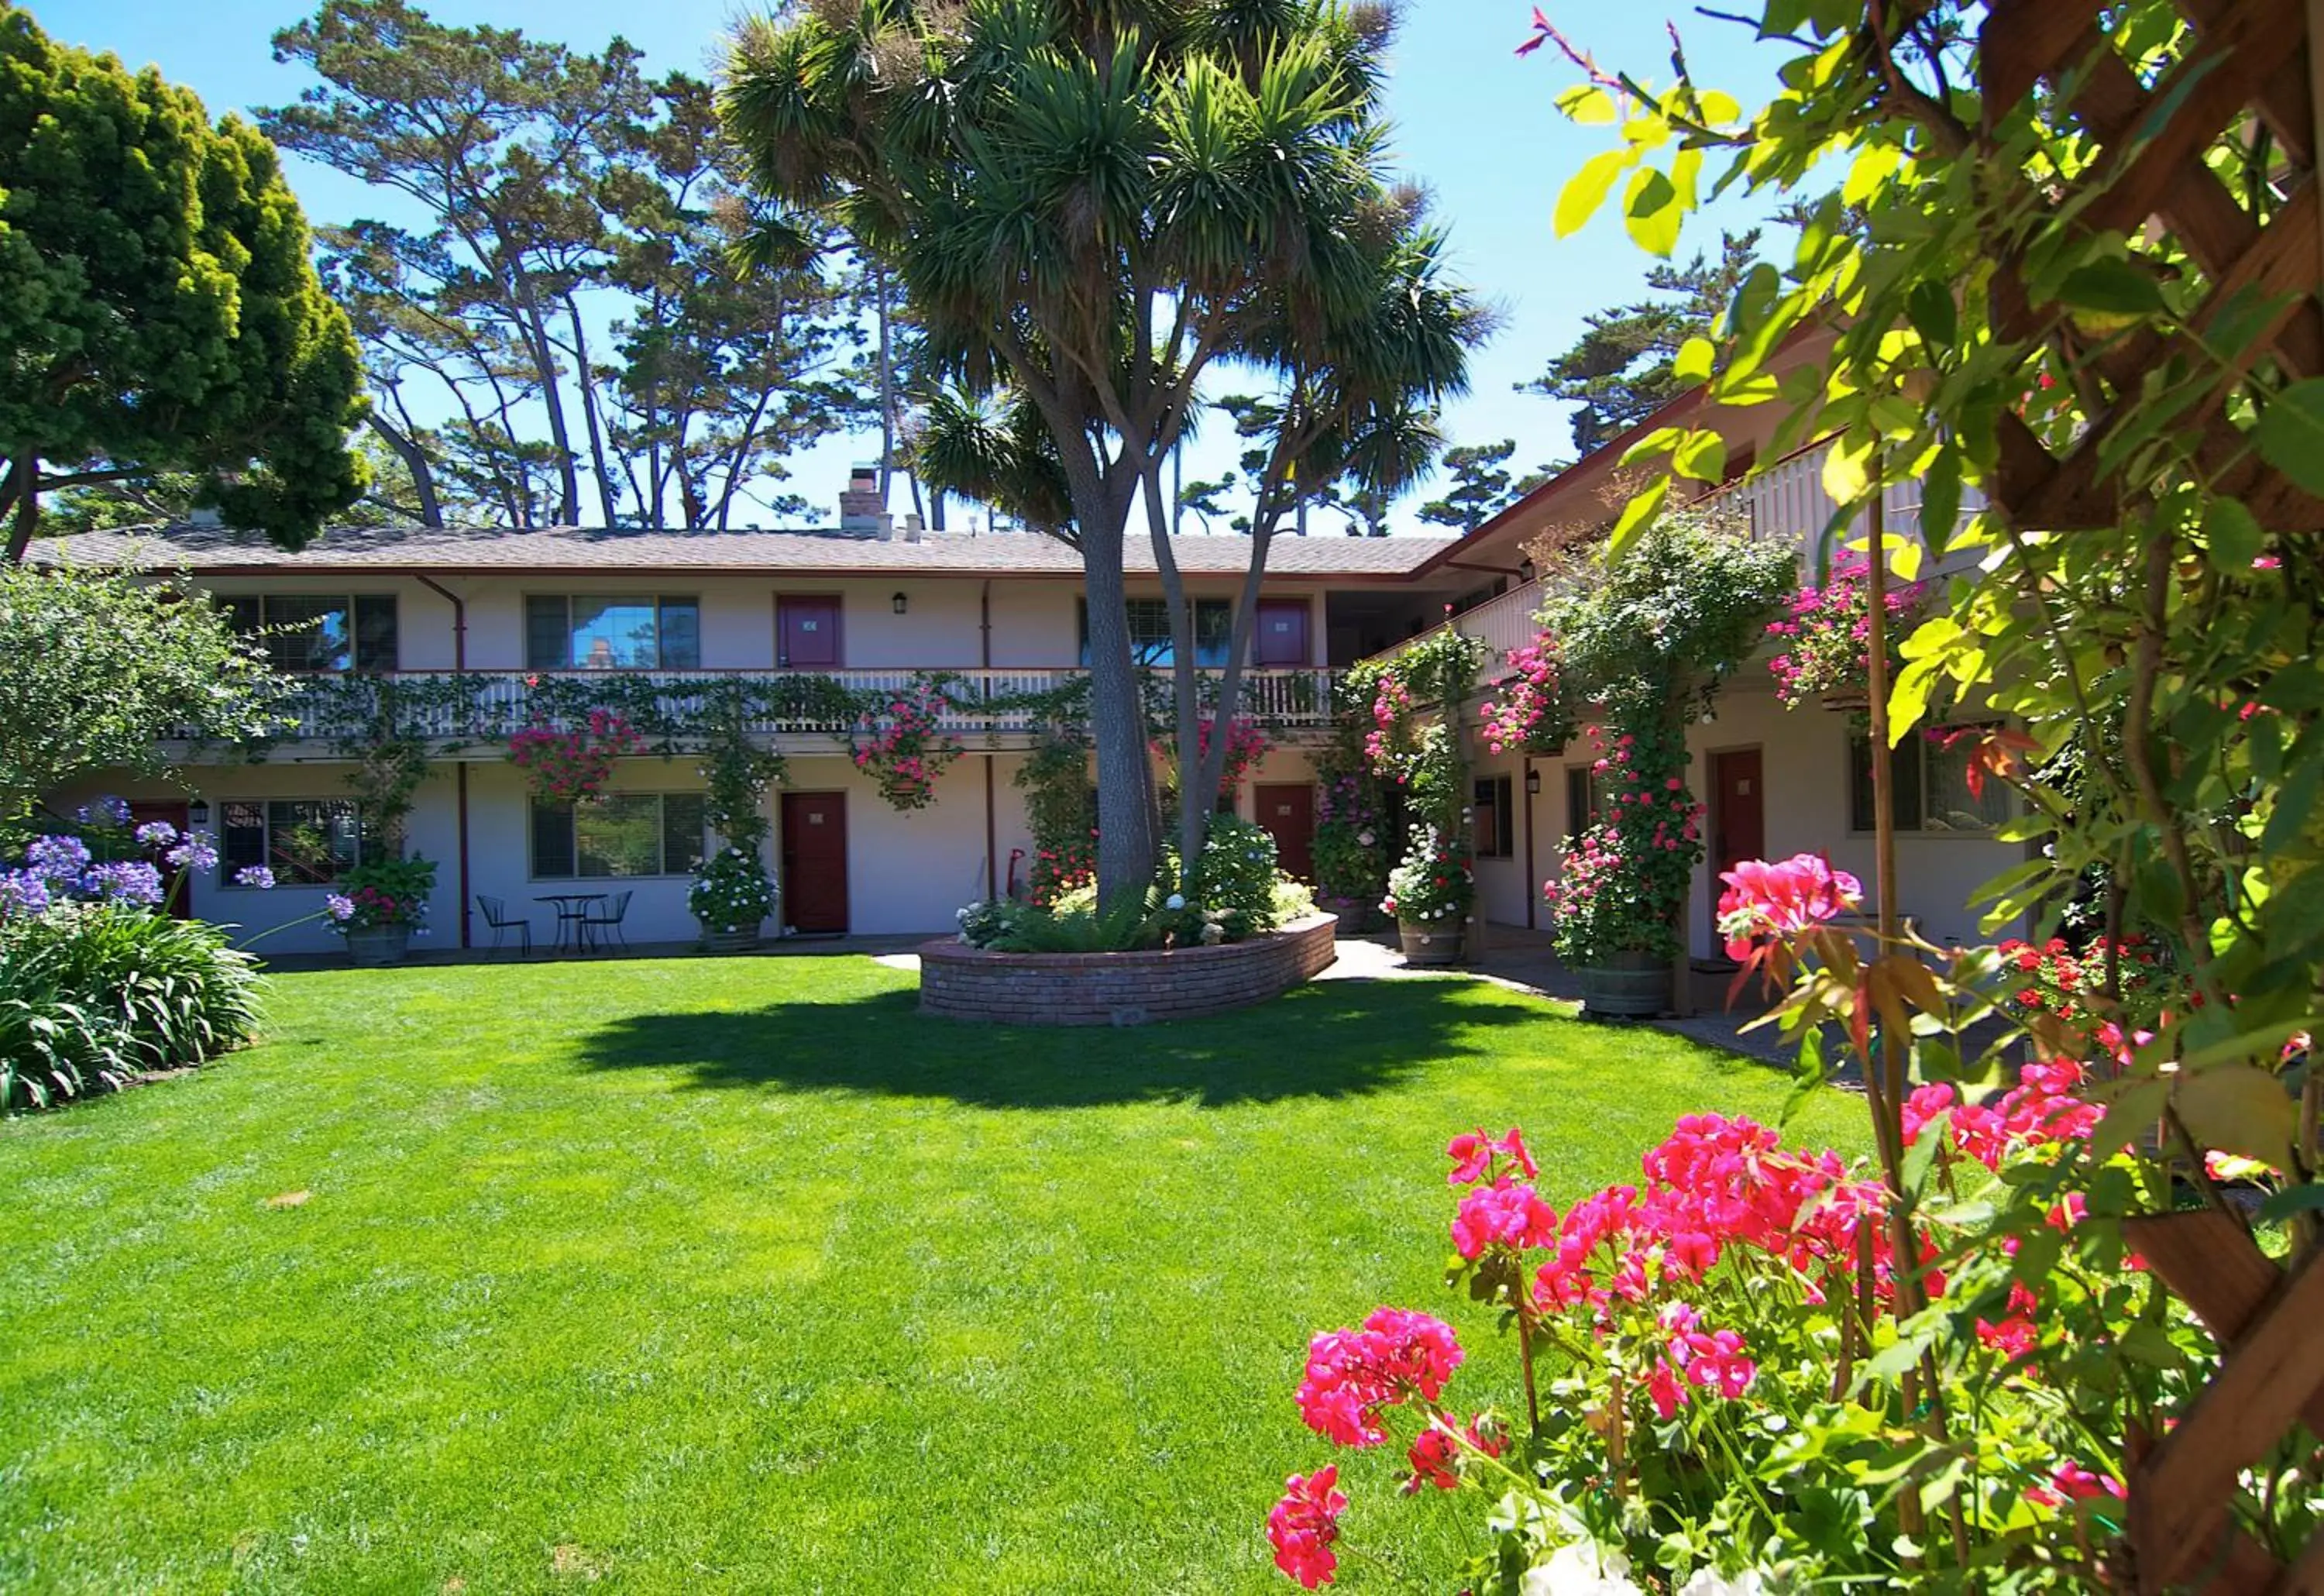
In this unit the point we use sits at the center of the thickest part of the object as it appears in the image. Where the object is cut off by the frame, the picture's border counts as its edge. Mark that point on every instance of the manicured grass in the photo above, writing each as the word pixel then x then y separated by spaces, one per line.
pixel 739 1275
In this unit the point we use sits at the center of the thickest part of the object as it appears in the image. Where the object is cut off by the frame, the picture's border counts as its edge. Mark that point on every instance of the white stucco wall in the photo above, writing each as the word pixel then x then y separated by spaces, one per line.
pixel 1804 764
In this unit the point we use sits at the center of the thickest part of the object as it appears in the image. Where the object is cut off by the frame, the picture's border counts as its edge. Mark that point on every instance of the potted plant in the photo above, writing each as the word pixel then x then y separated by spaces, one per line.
pixel 731 898
pixel 1350 850
pixel 1824 634
pixel 379 907
pixel 1429 894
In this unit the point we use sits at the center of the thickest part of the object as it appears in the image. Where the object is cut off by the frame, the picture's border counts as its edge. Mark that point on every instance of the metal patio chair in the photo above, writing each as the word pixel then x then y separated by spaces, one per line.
pixel 496 916
pixel 606 918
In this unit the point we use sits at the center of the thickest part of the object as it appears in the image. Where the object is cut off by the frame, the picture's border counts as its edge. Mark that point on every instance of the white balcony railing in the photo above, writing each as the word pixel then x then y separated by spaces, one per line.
pixel 1502 623
pixel 1787 504
pixel 490 704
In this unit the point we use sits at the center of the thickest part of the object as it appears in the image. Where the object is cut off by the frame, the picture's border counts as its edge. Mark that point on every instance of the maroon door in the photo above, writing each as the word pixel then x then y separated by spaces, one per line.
pixel 1281 640
pixel 1738 812
pixel 807 631
pixel 814 860
pixel 178 892
pixel 1289 814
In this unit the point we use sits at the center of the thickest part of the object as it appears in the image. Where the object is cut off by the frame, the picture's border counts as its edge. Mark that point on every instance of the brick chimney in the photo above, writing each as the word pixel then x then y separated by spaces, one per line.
pixel 862 511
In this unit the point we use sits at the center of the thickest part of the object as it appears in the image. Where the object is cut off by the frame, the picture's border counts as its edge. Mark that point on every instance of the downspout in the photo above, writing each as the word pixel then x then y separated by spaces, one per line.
pixel 985 661
pixel 1533 889
pixel 460 770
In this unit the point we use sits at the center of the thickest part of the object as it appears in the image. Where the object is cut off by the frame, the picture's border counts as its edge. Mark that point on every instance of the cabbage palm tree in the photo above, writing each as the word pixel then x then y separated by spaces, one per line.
pixel 1091 203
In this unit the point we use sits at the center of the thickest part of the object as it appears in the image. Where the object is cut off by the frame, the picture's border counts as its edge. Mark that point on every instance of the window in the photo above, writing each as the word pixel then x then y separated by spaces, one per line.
pixel 1496 818
pixel 1582 800
pixel 317 632
pixel 1149 632
pixel 585 631
pixel 305 842
pixel 1931 783
pixel 623 833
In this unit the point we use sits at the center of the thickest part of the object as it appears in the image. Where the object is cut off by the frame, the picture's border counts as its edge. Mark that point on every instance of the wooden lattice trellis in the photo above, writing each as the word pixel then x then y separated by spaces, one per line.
pixel 2249 66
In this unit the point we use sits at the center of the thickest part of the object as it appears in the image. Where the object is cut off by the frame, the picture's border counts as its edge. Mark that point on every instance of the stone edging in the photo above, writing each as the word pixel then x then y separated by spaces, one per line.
pixel 963 983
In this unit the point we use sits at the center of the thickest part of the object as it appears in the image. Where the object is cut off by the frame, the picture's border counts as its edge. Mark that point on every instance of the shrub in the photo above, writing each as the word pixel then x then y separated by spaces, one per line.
pixel 985 922
pixel 1294 899
pixel 392 892
pixel 731 892
pixel 92 994
pixel 1235 880
pixel 1032 928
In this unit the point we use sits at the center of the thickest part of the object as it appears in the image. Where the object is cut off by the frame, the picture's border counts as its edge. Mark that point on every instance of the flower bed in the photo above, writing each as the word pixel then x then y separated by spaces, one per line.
pixel 964 982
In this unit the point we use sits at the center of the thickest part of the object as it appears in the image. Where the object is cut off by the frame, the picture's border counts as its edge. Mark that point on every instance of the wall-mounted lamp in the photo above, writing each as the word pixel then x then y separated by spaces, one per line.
pixel 198 812
pixel 900 603
pixel 1533 783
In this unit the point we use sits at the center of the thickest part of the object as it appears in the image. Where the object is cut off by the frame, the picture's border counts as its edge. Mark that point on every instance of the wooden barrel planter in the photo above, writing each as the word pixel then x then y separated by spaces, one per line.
pixel 959 981
pixel 1431 942
pixel 1626 986
pixel 723 941
pixel 372 947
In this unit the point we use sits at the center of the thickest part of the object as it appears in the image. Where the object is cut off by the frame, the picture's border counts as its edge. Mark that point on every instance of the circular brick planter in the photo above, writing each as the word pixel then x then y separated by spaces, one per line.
pixel 964 982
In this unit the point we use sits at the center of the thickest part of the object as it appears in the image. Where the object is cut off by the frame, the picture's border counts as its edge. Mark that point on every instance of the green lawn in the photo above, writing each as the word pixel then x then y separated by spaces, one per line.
pixel 739 1275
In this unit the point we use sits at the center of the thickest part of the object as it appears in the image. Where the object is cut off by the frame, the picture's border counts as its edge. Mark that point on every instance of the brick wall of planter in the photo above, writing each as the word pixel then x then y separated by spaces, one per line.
pixel 964 982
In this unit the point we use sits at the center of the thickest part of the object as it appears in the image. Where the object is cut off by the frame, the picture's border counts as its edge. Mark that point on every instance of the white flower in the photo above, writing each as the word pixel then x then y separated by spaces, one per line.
pixel 1581 1568
pixel 1175 901
pixel 1704 1583
pixel 1365 839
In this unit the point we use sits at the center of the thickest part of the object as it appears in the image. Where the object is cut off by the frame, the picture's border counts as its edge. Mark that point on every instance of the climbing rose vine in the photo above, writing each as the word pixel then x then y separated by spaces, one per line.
pixel 571 765
pixel 1528 714
pixel 1824 635
pixel 903 746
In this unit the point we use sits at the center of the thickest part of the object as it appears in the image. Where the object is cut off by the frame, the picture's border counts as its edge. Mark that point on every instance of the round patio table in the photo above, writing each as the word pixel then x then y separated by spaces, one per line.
pixel 572 925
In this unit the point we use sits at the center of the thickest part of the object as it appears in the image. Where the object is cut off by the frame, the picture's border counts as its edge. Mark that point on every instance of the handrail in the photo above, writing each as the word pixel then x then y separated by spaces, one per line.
pixel 983 699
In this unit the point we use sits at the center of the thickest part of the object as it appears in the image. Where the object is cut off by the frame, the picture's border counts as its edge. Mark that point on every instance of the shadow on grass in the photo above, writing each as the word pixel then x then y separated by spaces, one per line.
pixel 1334 1039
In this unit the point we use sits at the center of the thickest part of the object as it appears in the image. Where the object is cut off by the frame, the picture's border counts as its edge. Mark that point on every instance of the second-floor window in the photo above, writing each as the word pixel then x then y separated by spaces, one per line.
pixel 1149 632
pixel 592 632
pixel 305 842
pixel 307 632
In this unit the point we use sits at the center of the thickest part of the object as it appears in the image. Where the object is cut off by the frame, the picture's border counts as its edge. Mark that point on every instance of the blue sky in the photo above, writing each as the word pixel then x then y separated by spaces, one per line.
pixel 1474 122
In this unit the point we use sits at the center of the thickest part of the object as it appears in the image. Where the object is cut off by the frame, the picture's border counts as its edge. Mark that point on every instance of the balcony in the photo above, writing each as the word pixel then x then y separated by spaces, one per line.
pixel 472 713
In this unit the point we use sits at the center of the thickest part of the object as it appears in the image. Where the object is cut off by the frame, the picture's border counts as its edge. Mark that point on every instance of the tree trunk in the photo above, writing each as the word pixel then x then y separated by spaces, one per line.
pixel 415 460
pixel 1195 800
pixel 606 500
pixel 23 485
pixel 887 383
pixel 552 398
pixel 1125 786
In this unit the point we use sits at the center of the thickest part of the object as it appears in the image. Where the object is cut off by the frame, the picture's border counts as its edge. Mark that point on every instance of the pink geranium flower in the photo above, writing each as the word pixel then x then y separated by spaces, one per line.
pixel 1305 1523
pixel 1782 899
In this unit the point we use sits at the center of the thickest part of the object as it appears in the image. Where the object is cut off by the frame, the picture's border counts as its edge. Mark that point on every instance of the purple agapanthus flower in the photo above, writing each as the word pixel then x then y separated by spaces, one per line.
pixel 156 833
pixel 22 893
pixel 339 907
pixel 198 851
pixel 124 881
pixel 108 813
pixel 255 875
pixel 57 858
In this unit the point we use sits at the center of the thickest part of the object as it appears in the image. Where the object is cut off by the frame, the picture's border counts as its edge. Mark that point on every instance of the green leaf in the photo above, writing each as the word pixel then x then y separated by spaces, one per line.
pixel 2291 433
pixel 1846 469
pixel 1930 309
pixel 1702 455
pixel 2234 534
pixel 1940 494
pixel 1652 212
pixel 2111 286
pixel 1637 516
pixel 1586 191
pixel 2238 1109
pixel 1588 104
pixel 2298 1199
pixel 1692 362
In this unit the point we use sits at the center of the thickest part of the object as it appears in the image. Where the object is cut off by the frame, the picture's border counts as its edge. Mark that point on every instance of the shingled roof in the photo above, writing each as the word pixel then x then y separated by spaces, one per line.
pixel 582 549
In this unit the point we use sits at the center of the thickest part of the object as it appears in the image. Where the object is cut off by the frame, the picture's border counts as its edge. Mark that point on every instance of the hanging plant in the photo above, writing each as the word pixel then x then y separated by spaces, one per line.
pixel 1247 744
pixel 1825 636
pixel 903 746
pixel 1530 716
pixel 573 766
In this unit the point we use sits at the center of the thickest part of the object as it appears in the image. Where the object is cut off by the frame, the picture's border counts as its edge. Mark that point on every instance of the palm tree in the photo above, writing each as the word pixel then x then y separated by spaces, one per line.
pixel 1090 203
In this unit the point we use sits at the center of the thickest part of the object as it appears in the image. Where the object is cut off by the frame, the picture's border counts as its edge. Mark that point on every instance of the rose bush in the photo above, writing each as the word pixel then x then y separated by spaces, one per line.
pixel 902 744
pixel 575 764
